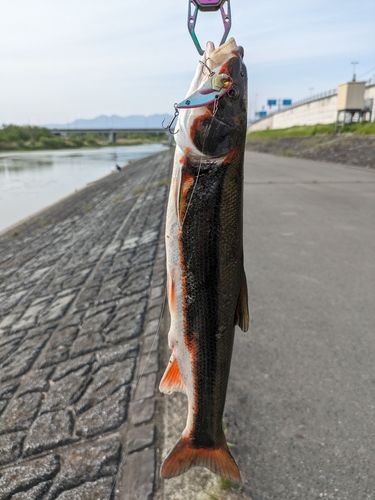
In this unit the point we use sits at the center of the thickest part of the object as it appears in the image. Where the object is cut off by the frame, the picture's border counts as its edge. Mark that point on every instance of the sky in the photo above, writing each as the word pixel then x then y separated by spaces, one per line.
pixel 71 59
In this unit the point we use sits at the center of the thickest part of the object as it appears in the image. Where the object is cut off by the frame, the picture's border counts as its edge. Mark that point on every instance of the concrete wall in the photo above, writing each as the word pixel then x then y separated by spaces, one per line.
pixel 322 110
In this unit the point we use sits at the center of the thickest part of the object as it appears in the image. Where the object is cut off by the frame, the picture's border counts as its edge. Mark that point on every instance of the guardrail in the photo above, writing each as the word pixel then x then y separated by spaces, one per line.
pixel 316 97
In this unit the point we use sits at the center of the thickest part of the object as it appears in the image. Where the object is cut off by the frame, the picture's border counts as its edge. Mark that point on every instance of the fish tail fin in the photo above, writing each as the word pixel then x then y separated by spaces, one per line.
pixel 183 457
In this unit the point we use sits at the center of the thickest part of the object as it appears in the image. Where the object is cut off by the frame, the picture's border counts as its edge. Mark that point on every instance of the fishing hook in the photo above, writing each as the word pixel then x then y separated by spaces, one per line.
pixel 211 73
pixel 168 127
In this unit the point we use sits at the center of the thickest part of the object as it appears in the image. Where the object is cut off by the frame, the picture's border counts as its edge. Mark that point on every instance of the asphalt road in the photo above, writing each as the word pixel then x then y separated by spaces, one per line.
pixel 301 397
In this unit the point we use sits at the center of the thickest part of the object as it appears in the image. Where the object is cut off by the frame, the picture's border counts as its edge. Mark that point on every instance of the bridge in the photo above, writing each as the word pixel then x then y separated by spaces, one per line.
pixel 110 131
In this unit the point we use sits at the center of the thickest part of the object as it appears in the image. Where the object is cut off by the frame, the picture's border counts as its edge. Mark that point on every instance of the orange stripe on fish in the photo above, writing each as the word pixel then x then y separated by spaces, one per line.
pixel 231 156
pixel 171 287
pixel 224 68
pixel 187 182
pixel 197 123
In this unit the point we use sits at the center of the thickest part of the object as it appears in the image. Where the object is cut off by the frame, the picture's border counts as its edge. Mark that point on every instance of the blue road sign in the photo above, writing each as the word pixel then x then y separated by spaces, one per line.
pixel 287 102
pixel 271 102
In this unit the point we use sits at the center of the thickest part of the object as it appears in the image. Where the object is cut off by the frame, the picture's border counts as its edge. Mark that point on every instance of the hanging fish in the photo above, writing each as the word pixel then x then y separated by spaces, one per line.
pixel 206 282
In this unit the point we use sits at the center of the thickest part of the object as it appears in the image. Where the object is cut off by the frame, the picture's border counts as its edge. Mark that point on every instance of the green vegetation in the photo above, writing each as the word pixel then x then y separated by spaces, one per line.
pixel 309 130
pixel 117 197
pixel 226 484
pixel 287 152
pixel 224 488
pixel 142 188
pixel 359 128
pixel 138 138
pixel 28 138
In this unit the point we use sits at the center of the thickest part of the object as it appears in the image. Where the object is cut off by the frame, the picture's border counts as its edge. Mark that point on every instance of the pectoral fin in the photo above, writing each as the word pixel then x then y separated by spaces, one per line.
pixel 242 310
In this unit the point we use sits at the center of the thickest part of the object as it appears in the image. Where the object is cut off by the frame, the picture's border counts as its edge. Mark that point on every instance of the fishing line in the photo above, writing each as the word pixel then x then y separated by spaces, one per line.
pixel 155 335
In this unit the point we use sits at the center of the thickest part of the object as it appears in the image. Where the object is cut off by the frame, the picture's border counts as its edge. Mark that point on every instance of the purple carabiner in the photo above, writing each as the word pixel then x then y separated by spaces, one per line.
pixel 208 6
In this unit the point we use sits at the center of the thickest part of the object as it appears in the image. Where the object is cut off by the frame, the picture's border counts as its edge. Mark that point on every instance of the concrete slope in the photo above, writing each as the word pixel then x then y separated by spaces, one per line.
pixel 81 294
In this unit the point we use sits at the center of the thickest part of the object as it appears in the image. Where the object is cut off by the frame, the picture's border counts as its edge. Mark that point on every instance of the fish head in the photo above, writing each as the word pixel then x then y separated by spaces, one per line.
pixel 220 127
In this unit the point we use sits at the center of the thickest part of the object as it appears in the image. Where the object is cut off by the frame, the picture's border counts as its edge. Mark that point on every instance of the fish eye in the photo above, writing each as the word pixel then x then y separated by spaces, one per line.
pixel 233 93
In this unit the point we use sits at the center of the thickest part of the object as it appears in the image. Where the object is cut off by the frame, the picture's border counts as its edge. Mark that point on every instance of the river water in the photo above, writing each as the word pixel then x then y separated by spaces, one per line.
pixel 30 181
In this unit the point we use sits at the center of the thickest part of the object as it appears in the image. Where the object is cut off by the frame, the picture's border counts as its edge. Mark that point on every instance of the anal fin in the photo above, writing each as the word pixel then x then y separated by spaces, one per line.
pixel 172 381
pixel 242 317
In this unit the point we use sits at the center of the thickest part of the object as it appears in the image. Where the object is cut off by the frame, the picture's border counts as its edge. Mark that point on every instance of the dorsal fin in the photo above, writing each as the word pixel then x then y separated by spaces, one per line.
pixel 172 381
pixel 242 311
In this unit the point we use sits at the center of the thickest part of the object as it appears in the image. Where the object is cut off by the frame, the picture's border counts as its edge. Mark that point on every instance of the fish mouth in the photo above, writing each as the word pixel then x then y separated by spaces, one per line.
pixel 213 60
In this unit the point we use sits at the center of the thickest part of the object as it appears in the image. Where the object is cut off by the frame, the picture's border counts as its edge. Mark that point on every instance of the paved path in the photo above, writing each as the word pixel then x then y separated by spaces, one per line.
pixel 81 293
pixel 301 399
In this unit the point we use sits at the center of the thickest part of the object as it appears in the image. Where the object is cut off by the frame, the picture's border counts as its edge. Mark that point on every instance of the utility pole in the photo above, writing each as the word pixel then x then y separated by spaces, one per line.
pixel 354 64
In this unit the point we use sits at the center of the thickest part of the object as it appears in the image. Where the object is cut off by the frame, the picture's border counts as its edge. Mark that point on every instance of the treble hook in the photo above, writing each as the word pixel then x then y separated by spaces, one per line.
pixel 211 73
pixel 168 127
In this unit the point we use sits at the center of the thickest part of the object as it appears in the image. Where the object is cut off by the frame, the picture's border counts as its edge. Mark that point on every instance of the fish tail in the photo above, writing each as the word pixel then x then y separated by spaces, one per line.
pixel 183 457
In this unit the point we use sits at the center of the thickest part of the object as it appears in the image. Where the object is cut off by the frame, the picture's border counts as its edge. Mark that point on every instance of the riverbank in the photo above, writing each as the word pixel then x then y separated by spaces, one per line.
pixel 81 296
pixel 349 149
pixel 15 138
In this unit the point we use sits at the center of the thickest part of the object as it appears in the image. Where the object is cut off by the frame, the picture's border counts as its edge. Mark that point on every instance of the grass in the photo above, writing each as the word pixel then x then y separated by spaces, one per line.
pixel 226 484
pixel 225 488
pixel 142 188
pixel 139 189
pixel 29 138
pixel 287 152
pixel 319 129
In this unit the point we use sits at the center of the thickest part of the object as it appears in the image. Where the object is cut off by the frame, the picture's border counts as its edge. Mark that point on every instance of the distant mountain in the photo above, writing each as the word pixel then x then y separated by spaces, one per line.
pixel 103 121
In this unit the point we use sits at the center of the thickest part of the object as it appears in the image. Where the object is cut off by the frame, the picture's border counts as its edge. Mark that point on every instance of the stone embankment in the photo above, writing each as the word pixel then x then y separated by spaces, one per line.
pixel 349 149
pixel 81 296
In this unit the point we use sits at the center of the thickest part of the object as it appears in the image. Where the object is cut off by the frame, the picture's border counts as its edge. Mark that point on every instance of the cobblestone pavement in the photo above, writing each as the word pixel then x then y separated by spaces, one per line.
pixel 81 294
